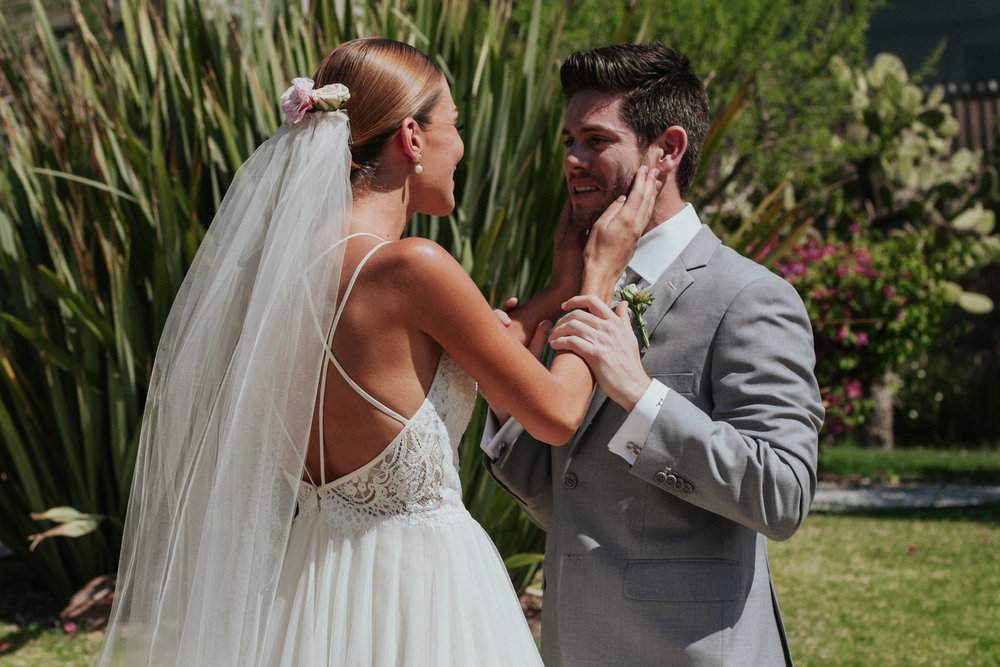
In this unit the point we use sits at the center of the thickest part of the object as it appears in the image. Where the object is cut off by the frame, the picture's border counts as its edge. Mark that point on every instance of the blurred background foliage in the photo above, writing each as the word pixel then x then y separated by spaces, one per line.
pixel 123 126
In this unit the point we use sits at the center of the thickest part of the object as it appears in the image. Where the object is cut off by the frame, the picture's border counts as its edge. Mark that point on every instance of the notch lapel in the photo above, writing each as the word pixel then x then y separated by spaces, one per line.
pixel 674 280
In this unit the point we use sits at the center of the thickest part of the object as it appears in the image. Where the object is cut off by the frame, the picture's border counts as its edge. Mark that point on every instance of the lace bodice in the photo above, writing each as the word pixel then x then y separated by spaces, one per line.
pixel 416 476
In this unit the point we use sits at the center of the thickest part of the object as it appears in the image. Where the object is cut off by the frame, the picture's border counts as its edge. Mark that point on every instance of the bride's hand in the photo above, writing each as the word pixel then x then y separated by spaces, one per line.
pixel 613 238
pixel 567 254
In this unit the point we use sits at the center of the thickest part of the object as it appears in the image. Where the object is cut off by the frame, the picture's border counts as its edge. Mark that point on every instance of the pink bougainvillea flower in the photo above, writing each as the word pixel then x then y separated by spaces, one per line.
pixel 69 627
pixel 853 388
pixel 297 100
pixel 4 647
pixel 861 339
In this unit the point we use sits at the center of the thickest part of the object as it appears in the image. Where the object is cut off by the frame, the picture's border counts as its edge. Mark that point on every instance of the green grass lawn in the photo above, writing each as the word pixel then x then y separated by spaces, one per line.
pixel 914 587
pixel 30 645
pixel 959 466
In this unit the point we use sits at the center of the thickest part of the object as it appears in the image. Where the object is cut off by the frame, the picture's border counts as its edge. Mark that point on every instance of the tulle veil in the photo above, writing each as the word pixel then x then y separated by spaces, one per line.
pixel 230 406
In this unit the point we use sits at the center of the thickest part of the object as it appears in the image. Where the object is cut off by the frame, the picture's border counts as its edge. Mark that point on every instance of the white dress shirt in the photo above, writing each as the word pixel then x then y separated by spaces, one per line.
pixel 657 249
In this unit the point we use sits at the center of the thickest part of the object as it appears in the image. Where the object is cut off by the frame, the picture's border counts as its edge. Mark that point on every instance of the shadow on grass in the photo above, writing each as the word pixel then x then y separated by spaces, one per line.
pixel 21 636
pixel 26 609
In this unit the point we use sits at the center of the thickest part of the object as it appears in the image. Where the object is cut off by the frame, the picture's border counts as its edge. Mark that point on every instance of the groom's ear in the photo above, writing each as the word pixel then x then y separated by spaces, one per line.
pixel 667 149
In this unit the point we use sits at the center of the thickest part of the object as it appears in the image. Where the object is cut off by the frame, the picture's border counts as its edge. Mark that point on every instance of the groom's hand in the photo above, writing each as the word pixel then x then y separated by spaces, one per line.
pixel 604 339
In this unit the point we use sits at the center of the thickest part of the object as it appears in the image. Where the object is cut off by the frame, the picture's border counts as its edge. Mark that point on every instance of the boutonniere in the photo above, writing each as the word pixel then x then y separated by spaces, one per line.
pixel 638 300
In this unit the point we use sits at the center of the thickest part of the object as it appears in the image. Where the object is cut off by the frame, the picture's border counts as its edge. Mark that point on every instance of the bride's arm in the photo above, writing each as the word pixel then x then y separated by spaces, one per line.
pixel 442 300
pixel 579 258
pixel 523 317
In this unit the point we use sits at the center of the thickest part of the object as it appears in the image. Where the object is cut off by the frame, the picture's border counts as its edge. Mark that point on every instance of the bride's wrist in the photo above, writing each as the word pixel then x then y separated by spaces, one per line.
pixel 599 283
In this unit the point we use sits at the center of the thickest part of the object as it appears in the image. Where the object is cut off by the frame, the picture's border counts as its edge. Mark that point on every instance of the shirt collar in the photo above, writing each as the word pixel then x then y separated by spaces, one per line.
pixel 661 245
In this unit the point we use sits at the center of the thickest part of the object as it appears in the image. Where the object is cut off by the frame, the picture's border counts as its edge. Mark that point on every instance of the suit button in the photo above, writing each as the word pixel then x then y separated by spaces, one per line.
pixel 672 480
pixel 570 481
pixel 660 477
pixel 688 488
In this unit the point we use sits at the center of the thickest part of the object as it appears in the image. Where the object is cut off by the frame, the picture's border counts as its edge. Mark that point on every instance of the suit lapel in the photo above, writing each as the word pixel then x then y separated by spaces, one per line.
pixel 674 280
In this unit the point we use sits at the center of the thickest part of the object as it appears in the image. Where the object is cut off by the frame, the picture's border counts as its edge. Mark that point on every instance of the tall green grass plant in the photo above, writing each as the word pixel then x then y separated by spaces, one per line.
pixel 121 138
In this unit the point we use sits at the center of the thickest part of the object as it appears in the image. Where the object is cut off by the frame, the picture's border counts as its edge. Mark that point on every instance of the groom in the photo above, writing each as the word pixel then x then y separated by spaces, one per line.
pixel 695 450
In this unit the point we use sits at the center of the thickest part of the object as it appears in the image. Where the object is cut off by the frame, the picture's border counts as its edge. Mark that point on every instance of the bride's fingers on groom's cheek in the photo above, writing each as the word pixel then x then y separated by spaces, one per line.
pixel 612 211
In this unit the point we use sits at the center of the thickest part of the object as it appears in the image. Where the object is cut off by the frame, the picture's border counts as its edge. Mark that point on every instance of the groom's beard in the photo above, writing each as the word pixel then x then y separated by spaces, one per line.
pixel 584 218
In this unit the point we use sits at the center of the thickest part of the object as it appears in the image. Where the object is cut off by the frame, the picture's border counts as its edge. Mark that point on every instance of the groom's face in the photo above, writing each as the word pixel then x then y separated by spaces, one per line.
pixel 602 154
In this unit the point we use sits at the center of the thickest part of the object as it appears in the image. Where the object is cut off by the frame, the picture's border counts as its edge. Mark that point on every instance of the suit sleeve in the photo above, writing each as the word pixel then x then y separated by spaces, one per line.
pixel 753 458
pixel 524 469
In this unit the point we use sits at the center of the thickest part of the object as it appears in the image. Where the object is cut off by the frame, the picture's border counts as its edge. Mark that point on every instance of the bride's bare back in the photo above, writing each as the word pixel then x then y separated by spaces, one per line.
pixel 385 356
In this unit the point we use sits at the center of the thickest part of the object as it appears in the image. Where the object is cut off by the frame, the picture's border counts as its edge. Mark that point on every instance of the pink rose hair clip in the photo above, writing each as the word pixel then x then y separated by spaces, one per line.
pixel 302 98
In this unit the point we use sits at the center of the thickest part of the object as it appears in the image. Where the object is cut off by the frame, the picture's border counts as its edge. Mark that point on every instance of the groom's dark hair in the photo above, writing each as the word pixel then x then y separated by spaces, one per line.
pixel 658 89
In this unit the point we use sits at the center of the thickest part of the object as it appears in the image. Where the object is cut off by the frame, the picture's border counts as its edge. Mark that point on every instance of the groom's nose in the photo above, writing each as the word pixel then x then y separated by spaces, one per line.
pixel 575 160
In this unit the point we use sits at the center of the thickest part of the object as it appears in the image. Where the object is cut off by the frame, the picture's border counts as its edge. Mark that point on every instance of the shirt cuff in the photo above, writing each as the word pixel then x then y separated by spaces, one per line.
pixel 496 438
pixel 627 442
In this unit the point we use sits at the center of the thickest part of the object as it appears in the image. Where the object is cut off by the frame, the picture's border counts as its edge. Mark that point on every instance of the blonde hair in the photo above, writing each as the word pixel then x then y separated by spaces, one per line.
pixel 389 81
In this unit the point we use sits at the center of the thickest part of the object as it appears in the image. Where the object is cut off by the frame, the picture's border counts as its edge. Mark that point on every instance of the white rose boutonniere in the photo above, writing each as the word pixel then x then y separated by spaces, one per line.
pixel 638 300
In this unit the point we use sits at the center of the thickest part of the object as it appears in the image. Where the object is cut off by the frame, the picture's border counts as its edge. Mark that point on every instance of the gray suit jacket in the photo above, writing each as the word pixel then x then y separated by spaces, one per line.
pixel 665 562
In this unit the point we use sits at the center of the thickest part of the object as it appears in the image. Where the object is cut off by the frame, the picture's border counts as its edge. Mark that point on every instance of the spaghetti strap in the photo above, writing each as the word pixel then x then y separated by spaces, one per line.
pixel 328 349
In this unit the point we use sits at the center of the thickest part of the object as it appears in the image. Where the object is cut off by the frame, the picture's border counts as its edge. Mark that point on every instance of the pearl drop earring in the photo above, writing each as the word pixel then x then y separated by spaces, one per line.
pixel 418 169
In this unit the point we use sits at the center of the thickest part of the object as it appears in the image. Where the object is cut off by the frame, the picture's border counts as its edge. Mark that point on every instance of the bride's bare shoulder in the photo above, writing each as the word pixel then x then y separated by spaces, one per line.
pixel 418 276
pixel 419 262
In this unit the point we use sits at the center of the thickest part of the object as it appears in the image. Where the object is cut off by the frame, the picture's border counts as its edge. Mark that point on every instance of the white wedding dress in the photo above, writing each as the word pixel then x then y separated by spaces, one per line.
pixel 385 566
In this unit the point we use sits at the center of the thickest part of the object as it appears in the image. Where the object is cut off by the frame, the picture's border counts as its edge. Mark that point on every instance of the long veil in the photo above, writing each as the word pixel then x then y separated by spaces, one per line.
pixel 230 407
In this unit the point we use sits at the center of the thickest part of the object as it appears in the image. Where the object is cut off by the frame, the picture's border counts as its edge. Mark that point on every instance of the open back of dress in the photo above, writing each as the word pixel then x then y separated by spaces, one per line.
pixel 385 566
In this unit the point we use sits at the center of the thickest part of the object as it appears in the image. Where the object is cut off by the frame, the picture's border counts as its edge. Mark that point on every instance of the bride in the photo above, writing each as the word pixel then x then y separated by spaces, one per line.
pixel 296 498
